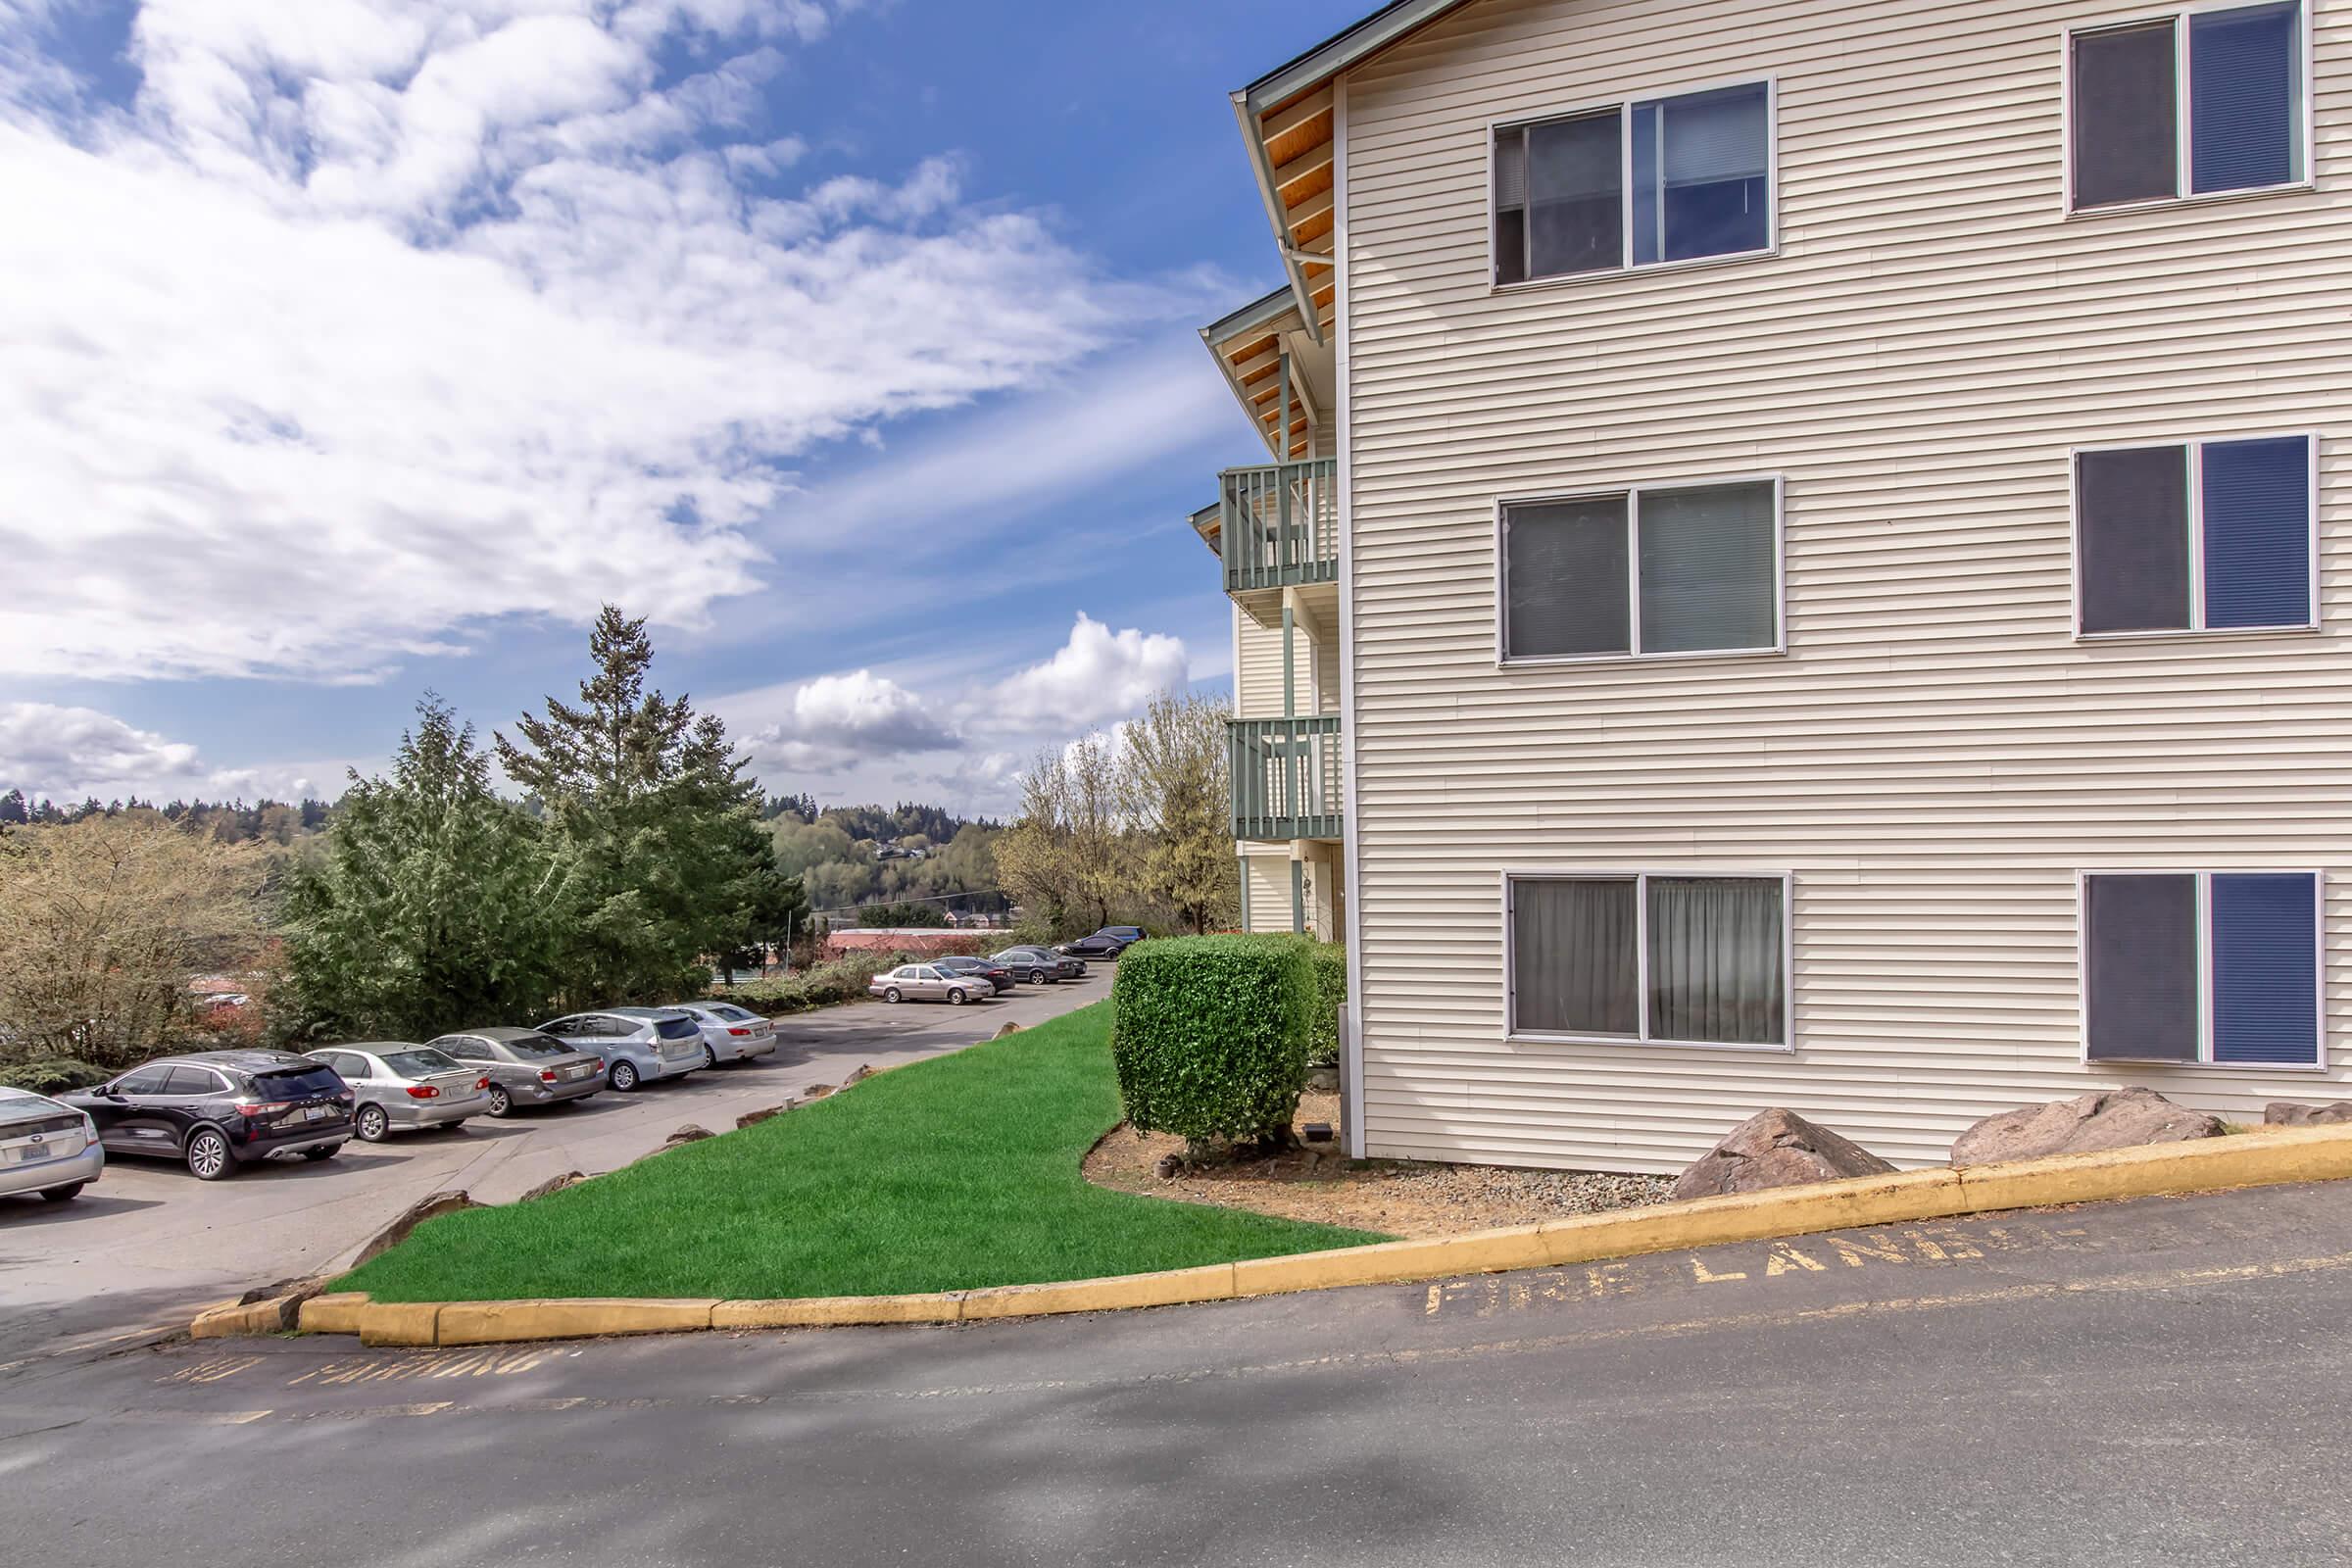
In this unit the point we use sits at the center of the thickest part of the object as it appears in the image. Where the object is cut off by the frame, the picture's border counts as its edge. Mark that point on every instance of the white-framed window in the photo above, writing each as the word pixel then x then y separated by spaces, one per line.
pixel 1645 182
pixel 2219 967
pixel 1647 571
pixel 2189 536
pixel 1676 958
pixel 2206 101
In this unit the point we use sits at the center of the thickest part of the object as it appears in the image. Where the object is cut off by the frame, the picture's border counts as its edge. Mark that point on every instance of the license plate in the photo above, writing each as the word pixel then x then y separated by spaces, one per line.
pixel 577 1072
pixel 315 1113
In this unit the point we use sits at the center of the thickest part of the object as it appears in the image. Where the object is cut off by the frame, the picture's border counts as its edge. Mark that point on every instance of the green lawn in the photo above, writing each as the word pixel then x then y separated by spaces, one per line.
pixel 949 1174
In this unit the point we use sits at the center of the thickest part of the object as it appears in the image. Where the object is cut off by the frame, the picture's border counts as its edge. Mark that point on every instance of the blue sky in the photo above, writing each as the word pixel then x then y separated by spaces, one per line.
pixel 368 345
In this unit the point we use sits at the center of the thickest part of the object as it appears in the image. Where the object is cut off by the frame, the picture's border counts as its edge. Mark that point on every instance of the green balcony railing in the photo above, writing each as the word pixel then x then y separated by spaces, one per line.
pixel 1286 777
pixel 1279 525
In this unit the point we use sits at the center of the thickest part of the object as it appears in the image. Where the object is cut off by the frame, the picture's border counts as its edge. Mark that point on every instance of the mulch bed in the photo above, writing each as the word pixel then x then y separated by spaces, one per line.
pixel 1399 1197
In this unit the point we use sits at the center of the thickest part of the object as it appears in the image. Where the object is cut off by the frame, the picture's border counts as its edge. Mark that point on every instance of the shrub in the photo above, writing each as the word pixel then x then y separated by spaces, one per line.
pixel 1210 1036
pixel 57 1076
pixel 841 980
pixel 1330 960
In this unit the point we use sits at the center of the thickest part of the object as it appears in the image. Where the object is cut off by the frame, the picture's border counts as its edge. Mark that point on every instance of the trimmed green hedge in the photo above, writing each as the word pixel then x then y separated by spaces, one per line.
pixel 57 1076
pixel 1330 960
pixel 1211 1035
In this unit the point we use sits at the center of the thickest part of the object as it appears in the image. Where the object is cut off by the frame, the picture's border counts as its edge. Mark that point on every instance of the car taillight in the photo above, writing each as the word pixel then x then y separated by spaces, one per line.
pixel 739 1031
pixel 481 1082
pixel 423 1091
pixel 262 1108
pixel 547 1075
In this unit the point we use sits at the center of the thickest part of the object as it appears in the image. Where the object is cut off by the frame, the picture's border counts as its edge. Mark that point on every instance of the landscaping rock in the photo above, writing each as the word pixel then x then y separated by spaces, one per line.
pixel 554 1184
pixel 816 1092
pixel 430 1207
pixel 1775 1149
pixel 1008 1029
pixel 1325 1079
pixel 859 1075
pixel 2107 1119
pixel 2287 1114
pixel 688 1134
pixel 753 1118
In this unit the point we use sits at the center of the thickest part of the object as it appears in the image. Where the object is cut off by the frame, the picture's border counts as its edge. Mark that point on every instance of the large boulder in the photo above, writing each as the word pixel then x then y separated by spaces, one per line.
pixel 1776 1149
pixel 2287 1114
pixel 2107 1119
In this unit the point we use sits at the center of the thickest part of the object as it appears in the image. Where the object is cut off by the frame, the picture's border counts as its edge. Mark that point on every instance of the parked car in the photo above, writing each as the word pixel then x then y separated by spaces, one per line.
pixel 1107 943
pixel 995 974
pixel 400 1086
pixel 928 982
pixel 639 1045
pixel 216 1111
pixel 730 1033
pixel 1039 965
pixel 46 1146
pixel 524 1067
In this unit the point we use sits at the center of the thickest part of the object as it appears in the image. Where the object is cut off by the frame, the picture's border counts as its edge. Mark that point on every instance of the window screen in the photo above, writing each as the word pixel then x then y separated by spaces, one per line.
pixel 1715 963
pixel 2245 98
pixel 2265 968
pixel 2127 140
pixel 2132 512
pixel 1565 579
pixel 1700 185
pixel 1707 568
pixel 1574 954
pixel 2140 961
pixel 2257 532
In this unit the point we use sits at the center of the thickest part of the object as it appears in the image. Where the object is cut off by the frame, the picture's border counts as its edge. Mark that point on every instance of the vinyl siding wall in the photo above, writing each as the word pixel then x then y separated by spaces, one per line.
pixel 1935 758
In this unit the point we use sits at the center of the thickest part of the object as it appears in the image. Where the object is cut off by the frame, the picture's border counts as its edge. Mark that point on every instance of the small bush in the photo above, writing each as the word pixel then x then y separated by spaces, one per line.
pixel 844 979
pixel 1210 1036
pixel 1330 960
pixel 57 1076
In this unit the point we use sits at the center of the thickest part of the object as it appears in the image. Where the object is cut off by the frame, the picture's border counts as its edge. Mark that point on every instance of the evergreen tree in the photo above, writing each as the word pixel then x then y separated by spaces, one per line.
pixel 661 858
pixel 12 808
pixel 429 910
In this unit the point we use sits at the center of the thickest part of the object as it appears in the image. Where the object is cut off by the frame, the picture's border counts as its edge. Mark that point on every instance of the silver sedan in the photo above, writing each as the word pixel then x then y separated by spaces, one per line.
pixel 399 1085
pixel 928 982
pixel 46 1146
pixel 730 1033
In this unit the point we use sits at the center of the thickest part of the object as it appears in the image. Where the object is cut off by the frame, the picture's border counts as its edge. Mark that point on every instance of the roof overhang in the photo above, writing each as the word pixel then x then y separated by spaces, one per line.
pixel 1249 348
pixel 1288 122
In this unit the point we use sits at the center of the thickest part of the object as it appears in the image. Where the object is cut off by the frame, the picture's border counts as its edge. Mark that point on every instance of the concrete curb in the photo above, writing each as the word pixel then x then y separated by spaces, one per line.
pixel 2273 1157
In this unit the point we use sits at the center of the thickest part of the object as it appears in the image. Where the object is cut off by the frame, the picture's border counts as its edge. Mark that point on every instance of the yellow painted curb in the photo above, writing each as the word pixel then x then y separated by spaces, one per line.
pixel 507 1322
pixel 2280 1157
pixel 235 1319
pixel 338 1313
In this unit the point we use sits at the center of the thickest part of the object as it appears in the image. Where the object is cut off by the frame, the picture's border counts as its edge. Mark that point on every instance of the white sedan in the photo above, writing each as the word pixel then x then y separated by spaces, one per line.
pixel 928 982
pixel 730 1033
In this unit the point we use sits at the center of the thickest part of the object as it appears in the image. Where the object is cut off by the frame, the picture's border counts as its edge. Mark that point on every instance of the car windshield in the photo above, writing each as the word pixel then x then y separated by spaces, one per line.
pixel 538 1048
pixel 417 1063
pixel 299 1083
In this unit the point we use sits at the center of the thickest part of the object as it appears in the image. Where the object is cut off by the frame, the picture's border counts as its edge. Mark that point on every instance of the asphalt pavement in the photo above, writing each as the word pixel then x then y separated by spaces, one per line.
pixel 2149 1383
pixel 149 1244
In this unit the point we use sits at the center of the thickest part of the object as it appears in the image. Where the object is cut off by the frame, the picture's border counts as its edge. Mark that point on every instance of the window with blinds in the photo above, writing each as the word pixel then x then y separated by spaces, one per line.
pixel 2195 104
pixel 1653 570
pixel 1696 960
pixel 1634 184
pixel 2196 536
pixel 2194 966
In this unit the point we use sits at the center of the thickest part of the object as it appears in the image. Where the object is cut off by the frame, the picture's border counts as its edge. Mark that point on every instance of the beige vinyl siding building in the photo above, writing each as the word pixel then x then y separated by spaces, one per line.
pixel 1936 757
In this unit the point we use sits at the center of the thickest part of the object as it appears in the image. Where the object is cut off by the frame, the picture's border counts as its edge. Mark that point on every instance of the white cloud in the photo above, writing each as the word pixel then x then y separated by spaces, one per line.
pixel 69 753
pixel 836 721
pixel 372 322
pixel 1098 675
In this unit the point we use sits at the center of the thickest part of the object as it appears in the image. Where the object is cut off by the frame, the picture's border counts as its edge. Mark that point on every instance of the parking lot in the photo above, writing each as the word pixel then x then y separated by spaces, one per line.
pixel 148 1242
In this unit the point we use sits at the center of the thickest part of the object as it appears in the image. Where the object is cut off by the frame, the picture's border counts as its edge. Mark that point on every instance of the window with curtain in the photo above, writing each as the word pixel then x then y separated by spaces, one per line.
pixel 2240 95
pixel 1658 959
pixel 2201 536
pixel 1666 569
pixel 2191 966
pixel 1635 185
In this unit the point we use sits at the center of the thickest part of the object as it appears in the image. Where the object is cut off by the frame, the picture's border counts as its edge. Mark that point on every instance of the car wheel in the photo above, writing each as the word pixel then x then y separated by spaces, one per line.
pixel 623 1076
pixel 892 995
pixel 315 1155
pixel 501 1104
pixel 209 1158
pixel 956 996
pixel 1037 977
pixel 65 1194
pixel 373 1124
pixel 709 1055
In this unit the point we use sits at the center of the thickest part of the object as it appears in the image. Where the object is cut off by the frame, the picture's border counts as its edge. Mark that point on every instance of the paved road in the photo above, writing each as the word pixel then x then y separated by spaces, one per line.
pixel 2152 1383
pixel 149 1243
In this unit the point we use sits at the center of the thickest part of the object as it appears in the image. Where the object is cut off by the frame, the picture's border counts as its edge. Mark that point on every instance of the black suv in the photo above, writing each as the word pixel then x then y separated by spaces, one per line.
pixel 218 1109
pixel 1107 943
